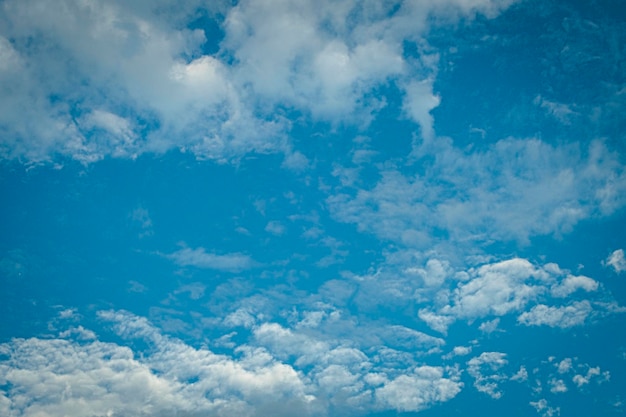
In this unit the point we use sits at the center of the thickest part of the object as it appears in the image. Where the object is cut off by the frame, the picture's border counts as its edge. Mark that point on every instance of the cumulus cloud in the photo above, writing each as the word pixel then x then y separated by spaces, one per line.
pixel 419 390
pixel 97 79
pixel 616 261
pixel 484 369
pixel 557 386
pixel 544 409
pixel 571 315
pixel 573 283
pixel 521 375
pixel 70 377
pixel 96 378
pixel 199 258
pixel 592 372
pixel 493 289
pixel 442 294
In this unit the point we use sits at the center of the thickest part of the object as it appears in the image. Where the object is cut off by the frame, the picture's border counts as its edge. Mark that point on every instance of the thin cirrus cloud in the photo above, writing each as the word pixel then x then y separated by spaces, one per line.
pixel 200 258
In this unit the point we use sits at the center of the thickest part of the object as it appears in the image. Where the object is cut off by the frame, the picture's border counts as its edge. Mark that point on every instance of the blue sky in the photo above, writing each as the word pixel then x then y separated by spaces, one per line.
pixel 312 208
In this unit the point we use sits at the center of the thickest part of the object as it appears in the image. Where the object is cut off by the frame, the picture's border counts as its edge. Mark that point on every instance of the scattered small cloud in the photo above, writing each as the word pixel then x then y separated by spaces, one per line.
pixel 617 261
pixel 200 258
pixel 276 228
pixel 141 217
pixel 521 375
pixel 544 409
pixel 484 369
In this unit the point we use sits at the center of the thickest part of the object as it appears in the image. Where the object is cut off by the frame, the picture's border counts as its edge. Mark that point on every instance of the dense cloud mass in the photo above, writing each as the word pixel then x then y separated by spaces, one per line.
pixel 312 208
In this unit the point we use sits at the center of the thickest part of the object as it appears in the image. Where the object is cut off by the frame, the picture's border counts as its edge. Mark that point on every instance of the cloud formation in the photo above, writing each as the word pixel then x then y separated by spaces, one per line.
pixel 511 191
pixel 97 79
pixel 199 258
pixel 617 261
pixel 64 377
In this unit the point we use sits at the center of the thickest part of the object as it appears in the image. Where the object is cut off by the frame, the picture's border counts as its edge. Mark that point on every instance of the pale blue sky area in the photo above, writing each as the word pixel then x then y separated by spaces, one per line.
pixel 312 208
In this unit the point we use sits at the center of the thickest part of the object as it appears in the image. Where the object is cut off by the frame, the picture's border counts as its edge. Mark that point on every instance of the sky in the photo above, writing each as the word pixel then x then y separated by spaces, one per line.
pixel 312 208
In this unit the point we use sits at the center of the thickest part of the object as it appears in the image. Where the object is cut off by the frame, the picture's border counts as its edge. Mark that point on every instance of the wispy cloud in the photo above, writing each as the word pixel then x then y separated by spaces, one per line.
pixel 617 261
pixel 512 190
pixel 200 258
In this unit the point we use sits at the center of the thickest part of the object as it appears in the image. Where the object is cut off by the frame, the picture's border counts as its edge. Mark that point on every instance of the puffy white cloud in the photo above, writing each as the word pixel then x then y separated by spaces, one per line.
pixel 442 294
pixel 458 351
pixel 418 103
pixel 199 258
pixel 564 366
pixel 497 289
pixel 489 326
pixel 286 343
pixel 571 315
pixel 557 386
pixel 521 375
pixel 63 378
pixel 592 372
pixel 422 388
pixel 494 289
pixel 59 377
pixel 99 78
pixel 572 284
pixel 489 362
pixel 544 409
pixel 617 261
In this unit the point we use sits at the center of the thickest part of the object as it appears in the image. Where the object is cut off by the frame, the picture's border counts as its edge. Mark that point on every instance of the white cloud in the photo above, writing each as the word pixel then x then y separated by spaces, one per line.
pixel 276 228
pixel 286 343
pixel 461 350
pixel 617 261
pixel 573 283
pixel 70 378
pixel 194 289
pixel 544 409
pixel 557 386
pixel 418 103
pixel 444 295
pixel 435 321
pixel 421 389
pixel 592 372
pixel 199 258
pixel 487 362
pixel 126 65
pixel 240 317
pixel 509 191
pixel 497 289
pixel 142 218
pixel 521 375
pixel 79 333
pixel 489 326
pixel 571 315
pixel 564 366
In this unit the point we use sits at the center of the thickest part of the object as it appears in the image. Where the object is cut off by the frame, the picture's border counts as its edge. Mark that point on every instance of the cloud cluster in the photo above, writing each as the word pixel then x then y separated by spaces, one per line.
pixel 512 190
pixel 96 79
pixel 484 369
pixel 60 377
pixel 536 294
